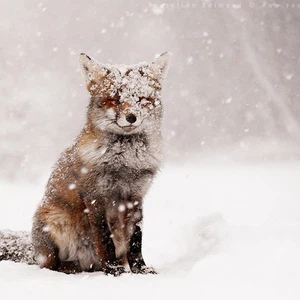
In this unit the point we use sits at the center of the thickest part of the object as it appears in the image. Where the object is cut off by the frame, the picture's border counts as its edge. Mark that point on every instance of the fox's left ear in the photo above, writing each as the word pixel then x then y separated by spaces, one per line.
pixel 93 71
pixel 160 66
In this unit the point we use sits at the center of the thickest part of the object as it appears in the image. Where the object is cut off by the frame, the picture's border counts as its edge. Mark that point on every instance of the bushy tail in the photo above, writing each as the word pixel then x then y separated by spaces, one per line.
pixel 16 246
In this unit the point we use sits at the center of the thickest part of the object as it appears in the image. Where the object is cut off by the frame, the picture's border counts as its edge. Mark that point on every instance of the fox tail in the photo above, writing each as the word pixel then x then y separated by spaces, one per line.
pixel 16 247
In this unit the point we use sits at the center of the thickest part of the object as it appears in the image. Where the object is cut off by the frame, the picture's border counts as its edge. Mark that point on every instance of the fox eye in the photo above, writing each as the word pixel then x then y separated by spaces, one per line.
pixel 107 100
pixel 114 99
pixel 101 101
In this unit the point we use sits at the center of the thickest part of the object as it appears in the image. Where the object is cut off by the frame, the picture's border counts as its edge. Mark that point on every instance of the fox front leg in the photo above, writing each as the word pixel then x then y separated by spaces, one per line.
pixel 103 242
pixel 135 257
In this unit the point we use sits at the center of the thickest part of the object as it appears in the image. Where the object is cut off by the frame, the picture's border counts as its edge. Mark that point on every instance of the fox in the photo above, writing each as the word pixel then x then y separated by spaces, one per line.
pixel 90 218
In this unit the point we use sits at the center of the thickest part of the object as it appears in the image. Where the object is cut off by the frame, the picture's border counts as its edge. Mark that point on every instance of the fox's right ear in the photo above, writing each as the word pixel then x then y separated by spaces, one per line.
pixel 93 71
pixel 159 68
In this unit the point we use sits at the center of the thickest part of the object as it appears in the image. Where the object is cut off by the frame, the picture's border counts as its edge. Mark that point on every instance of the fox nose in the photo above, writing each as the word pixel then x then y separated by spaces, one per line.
pixel 131 118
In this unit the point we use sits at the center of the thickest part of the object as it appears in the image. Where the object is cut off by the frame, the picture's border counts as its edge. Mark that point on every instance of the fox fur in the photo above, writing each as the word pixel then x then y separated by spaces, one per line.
pixel 91 215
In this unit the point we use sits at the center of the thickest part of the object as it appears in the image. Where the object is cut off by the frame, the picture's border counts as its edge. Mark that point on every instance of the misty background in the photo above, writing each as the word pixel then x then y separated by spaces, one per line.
pixel 232 90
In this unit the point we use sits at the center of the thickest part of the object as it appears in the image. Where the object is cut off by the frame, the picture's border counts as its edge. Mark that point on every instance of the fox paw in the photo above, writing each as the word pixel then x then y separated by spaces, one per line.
pixel 143 270
pixel 114 270
pixel 69 267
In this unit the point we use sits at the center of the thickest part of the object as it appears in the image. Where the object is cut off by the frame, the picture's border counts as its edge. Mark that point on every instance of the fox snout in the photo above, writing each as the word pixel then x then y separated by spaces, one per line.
pixel 129 119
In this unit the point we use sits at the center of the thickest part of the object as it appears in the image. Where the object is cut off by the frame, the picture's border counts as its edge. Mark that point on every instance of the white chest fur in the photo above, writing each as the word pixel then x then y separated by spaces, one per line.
pixel 138 152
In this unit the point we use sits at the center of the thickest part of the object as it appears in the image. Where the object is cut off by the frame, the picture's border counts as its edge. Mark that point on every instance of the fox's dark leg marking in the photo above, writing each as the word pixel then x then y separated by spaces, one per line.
pixel 135 257
pixel 69 267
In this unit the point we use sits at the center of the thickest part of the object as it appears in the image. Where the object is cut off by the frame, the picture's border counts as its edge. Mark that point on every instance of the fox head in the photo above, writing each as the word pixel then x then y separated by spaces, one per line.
pixel 125 99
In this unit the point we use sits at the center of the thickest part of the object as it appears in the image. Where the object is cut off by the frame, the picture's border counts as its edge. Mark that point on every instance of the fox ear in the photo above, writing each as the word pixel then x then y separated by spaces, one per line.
pixel 93 71
pixel 160 66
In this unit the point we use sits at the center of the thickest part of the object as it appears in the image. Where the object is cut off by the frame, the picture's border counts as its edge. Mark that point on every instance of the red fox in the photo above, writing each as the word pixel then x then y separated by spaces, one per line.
pixel 90 216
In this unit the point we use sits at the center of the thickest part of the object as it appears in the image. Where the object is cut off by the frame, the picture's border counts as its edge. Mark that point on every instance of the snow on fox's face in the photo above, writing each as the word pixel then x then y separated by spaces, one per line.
pixel 125 99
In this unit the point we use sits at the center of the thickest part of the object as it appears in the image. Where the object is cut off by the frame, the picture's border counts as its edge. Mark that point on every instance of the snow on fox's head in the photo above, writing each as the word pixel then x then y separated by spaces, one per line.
pixel 125 99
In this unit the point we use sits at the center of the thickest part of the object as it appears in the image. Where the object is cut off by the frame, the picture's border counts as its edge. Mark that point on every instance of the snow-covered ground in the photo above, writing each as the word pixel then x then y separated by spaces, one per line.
pixel 213 231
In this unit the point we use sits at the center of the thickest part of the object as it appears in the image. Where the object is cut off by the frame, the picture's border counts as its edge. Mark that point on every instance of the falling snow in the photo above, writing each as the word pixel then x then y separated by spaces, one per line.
pixel 189 60
pixel 231 96
pixel 289 76
pixel 157 9
pixel 84 170
pixel 129 205
pixel 46 228
pixel 121 208
pixel 72 186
